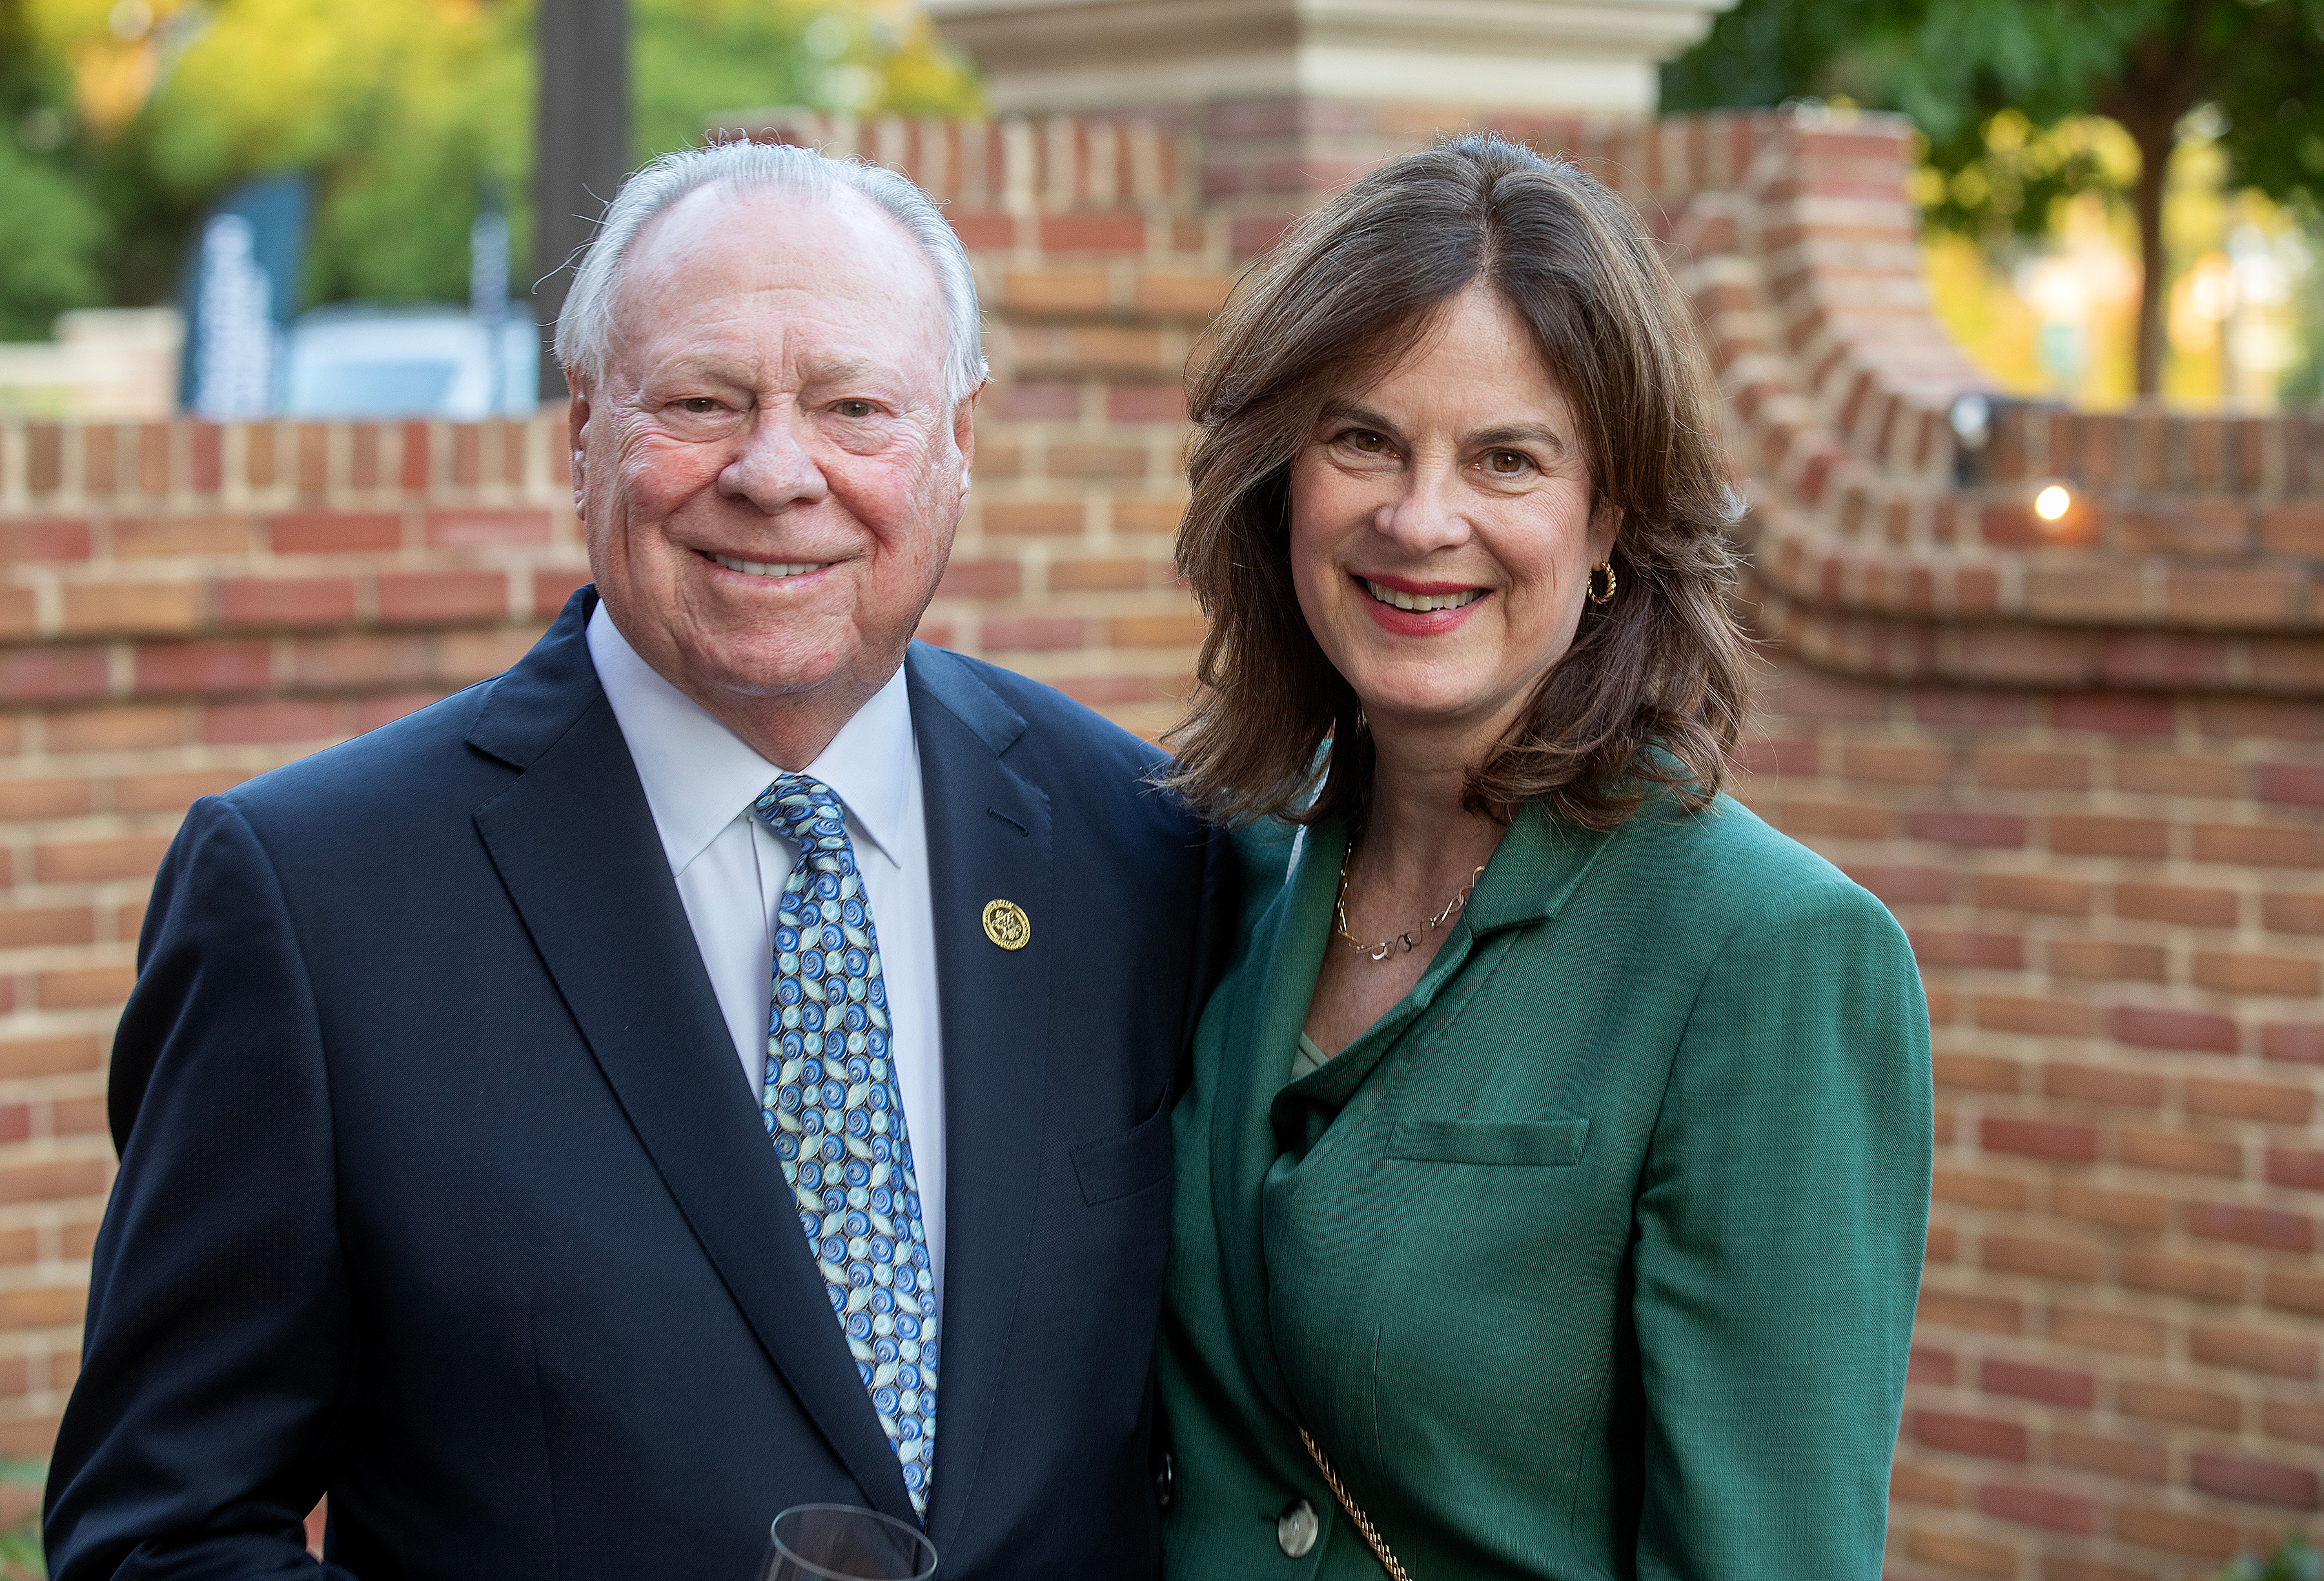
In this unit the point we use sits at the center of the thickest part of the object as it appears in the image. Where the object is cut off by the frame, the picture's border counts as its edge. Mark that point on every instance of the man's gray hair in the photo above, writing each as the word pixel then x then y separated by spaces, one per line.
pixel 585 329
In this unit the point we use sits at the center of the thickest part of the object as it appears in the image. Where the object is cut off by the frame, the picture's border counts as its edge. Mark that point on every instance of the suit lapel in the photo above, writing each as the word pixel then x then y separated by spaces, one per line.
pixel 574 842
pixel 988 838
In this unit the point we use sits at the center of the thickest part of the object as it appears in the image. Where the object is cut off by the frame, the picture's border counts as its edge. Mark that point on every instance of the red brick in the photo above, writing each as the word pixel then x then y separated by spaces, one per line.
pixel 1967 1555
pixel 2041 1257
pixel 1913 1484
pixel 1968 1188
pixel 480 529
pixel 2107 960
pixel 2268 1227
pixel 1110 574
pixel 2115 712
pixel 175 537
pixel 2142 1211
pixel 2249 1100
pixel 1034 633
pixel 2299 1044
pixel 1092 232
pixel 2293 913
pixel 1803 817
pixel 2032 892
pixel 50 1056
pixel 2256 1482
pixel 2162 773
pixel 982 578
pixel 44 540
pixel 2195 1031
pixel 1932 1366
pixel 1033 402
pixel 1967 1434
pixel 1032 519
pixel 2042 1507
pixel 29 927
pixel 55 1180
pixel 1154 630
pixel 2065 1141
pixel 2180 1153
pixel 1103 691
pixel 1899 885
pixel 2165 1274
pixel 1981 1073
pixel 1145 402
pixel 215 666
pixel 1983 1314
pixel 1995 951
pixel 1991 830
pixel 2300 1422
pixel 24 801
pixel 2291 784
pixel 25 1307
pixel 2258 846
pixel 2299 1169
pixel 553 585
pixel 2015 769
pixel 2103 1083
pixel 2253 1350
pixel 286 601
pixel 281 720
pixel 2187 1407
pixel 2296 976
pixel 2106 835
pixel 2173 1533
pixel 2122 1458
pixel 95 861
pixel 87 988
pixel 134 609
pixel 2041 1017
pixel 44 675
pixel 2051 1385
pixel 335 532
pixel 2288 1292
pixel 2158 902
pixel 172 792
pixel 430 597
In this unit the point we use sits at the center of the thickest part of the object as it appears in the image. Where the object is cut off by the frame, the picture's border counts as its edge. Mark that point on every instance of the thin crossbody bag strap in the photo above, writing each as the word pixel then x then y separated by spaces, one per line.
pixel 1355 1511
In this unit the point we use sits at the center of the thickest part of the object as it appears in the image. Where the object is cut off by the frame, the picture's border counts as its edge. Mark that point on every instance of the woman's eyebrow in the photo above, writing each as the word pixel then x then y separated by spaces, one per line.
pixel 1521 433
pixel 1360 414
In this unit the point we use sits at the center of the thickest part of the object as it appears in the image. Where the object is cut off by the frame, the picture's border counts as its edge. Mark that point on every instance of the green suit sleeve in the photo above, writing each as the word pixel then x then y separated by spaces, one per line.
pixel 1782 1215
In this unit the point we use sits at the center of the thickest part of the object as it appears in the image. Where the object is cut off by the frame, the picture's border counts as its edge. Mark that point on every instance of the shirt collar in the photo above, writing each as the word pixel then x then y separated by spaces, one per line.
pixel 699 776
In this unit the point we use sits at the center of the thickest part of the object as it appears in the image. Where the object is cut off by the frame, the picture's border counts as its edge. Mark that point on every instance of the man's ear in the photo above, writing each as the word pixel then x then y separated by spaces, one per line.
pixel 577 423
pixel 963 434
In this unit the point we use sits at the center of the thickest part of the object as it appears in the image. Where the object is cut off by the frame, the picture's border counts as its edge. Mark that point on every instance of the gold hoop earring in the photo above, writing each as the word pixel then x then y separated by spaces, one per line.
pixel 1591 586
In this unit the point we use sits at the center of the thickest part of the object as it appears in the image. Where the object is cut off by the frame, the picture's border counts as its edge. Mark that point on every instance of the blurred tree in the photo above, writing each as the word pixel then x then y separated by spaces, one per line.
pixel 1993 84
pixel 54 229
pixel 406 112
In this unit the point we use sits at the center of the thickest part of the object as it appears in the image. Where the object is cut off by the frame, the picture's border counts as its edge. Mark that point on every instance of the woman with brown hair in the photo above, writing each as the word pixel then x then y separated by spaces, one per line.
pixel 1553 1182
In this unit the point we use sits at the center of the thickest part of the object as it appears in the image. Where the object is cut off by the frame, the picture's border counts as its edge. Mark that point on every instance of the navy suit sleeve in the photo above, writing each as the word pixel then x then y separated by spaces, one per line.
pixel 220 1336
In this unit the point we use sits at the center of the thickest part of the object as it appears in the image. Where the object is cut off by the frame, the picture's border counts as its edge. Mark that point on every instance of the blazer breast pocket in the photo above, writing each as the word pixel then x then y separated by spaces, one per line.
pixel 1126 1163
pixel 1540 1144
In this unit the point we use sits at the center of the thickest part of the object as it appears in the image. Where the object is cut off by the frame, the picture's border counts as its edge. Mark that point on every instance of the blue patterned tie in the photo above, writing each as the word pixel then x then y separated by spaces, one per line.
pixel 837 1117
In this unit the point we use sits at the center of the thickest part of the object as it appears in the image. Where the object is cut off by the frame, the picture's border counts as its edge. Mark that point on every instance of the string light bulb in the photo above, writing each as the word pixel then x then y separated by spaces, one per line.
pixel 2053 503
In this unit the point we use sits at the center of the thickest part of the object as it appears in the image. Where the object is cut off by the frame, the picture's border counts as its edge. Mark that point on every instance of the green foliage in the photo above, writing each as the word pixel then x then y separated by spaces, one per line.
pixel 407 112
pixel 2296 1560
pixel 21 1556
pixel 1984 79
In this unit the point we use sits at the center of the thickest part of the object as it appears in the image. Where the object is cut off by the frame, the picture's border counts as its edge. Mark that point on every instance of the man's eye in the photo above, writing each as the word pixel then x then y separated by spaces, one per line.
pixel 853 408
pixel 699 404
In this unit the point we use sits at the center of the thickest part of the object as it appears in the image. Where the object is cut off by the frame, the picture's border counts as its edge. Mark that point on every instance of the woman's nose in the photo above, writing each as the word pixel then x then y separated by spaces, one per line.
pixel 1426 515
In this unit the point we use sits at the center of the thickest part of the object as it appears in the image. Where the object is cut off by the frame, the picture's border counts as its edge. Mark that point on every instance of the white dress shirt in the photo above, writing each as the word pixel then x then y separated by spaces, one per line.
pixel 700 780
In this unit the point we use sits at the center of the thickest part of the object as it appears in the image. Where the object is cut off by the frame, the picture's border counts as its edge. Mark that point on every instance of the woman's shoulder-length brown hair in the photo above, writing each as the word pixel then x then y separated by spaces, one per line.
pixel 1652 693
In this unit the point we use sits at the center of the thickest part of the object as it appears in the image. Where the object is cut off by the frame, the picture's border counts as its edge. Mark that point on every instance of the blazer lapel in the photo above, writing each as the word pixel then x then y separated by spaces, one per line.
pixel 1290 939
pixel 574 841
pixel 988 839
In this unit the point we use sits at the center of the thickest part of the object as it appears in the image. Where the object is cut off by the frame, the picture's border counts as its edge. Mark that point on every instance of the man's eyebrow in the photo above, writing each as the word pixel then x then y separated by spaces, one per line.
pixel 847 370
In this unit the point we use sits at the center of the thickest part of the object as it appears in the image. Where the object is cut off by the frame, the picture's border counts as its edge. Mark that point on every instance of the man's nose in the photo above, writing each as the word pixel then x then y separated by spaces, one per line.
pixel 774 467
pixel 1426 515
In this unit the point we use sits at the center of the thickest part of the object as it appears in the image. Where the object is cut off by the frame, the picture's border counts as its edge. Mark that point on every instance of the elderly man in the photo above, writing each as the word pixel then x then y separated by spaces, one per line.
pixel 722 1064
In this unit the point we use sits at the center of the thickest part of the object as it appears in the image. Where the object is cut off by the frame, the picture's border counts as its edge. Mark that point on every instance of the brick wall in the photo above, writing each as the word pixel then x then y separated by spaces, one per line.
pixel 2083 761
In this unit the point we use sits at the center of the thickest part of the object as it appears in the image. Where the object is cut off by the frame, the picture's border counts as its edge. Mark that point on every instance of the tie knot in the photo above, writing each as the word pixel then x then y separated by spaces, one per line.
pixel 806 810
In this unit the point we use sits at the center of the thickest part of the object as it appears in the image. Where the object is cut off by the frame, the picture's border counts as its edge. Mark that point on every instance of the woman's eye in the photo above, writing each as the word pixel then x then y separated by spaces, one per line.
pixel 853 408
pixel 1505 463
pixel 1369 444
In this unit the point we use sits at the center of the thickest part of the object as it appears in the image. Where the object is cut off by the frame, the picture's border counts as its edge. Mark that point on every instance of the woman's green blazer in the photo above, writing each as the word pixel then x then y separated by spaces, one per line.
pixel 1595 1258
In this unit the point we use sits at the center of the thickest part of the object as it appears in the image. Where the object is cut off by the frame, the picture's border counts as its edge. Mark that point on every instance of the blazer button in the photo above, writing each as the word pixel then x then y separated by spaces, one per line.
pixel 1295 1529
pixel 1166 1482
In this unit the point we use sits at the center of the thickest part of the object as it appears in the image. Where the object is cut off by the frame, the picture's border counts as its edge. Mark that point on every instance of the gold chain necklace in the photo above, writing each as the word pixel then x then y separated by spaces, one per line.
pixel 1411 941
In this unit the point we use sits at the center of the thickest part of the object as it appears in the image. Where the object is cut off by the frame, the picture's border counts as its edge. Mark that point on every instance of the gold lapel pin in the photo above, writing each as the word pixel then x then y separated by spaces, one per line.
pixel 1006 924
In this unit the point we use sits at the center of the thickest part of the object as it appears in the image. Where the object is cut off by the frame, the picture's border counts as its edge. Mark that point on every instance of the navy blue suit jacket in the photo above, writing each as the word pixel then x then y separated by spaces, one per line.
pixel 440 1190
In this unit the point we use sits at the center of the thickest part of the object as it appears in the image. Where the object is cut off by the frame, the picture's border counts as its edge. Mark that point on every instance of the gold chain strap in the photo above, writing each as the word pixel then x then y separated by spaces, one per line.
pixel 1355 1512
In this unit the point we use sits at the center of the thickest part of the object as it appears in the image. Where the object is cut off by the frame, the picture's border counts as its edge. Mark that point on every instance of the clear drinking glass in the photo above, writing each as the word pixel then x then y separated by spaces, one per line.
pixel 839 1542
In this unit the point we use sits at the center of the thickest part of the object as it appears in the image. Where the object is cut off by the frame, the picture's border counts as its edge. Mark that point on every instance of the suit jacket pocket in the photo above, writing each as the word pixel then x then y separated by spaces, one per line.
pixel 1124 1164
pixel 1550 1144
